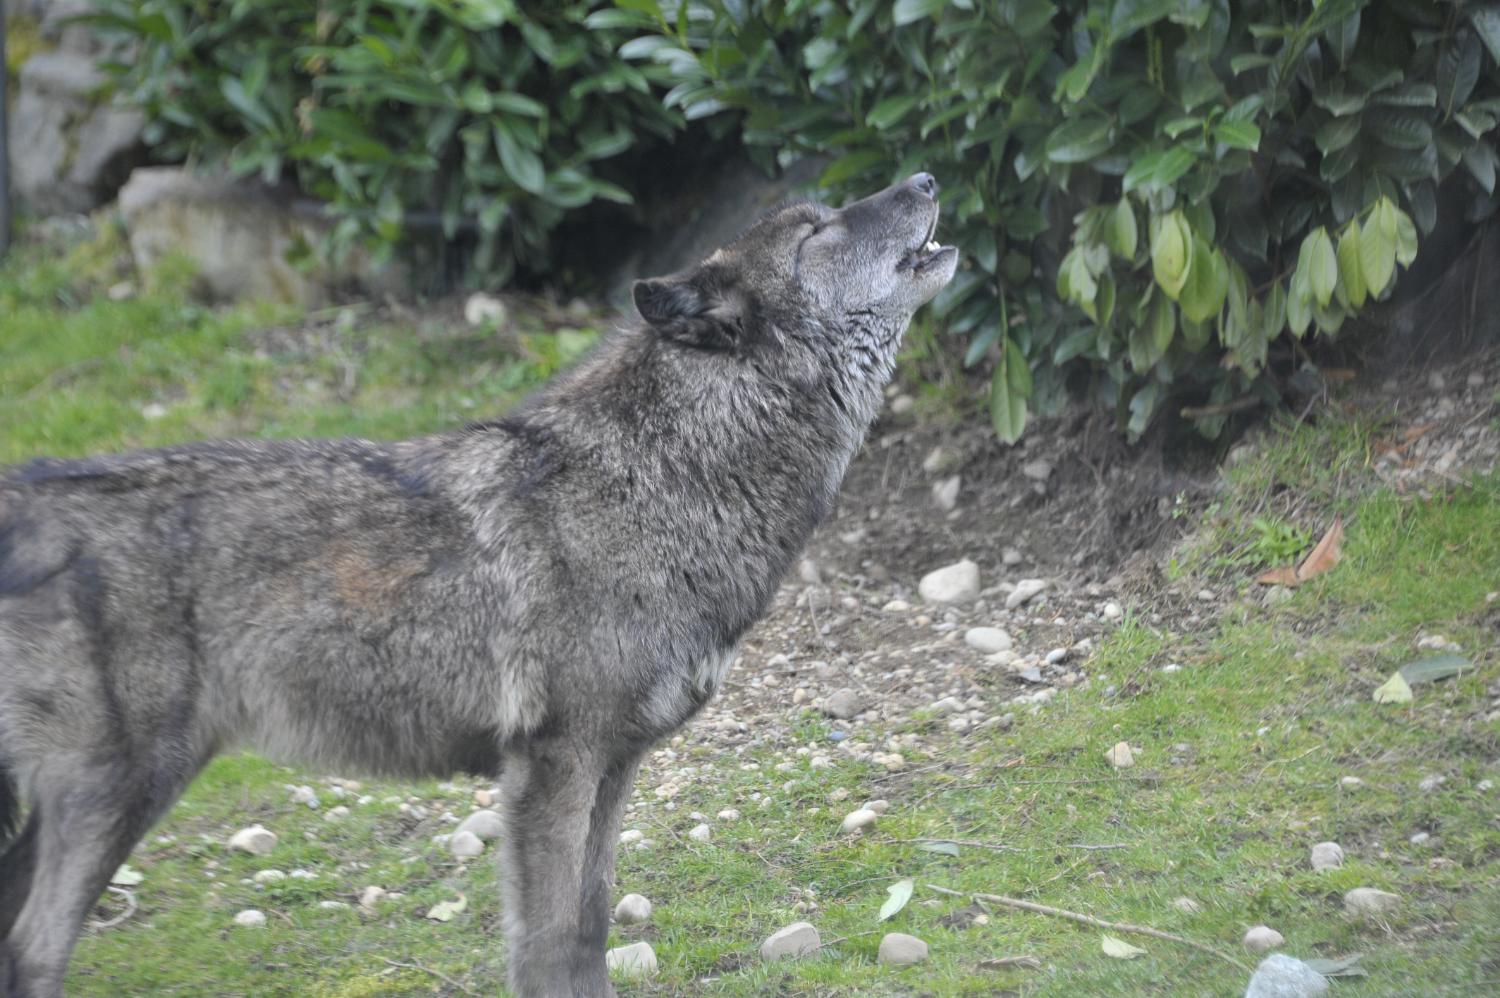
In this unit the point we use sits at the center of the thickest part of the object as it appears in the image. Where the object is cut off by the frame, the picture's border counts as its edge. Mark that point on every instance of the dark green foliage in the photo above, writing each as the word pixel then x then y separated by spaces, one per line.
pixel 482 112
pixel 1236 174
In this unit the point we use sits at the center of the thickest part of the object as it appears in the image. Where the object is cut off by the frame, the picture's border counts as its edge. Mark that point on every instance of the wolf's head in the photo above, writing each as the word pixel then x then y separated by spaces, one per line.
pixel 850 277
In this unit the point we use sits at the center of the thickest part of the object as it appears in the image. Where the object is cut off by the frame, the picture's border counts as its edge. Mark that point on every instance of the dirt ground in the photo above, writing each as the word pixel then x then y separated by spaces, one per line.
pixel 1070 505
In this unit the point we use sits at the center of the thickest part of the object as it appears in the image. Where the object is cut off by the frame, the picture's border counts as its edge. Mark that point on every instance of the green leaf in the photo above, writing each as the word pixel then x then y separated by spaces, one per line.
pixel 127 877
pixel 889 111
pixel 516 103
pixel 1158 170
pixel 1007 400
pixel 1299 302
pixel 1122 232
pixel 1435 669
pixel 1336 133
pixel 523 166
pixel 1486 21
pixel 1457 72
pixel 1377 246
pixel 1406 239
pixel 1171 248
pixel 1393 690
pixel 1079 140
pixel 907 11
pixel 1401 129
pixel 850 165
pixel 234 92
pixel 1322 265
pixel 1149 340
pixel 1480 161
pixel 1351 289
pixel 1142 408
pixel 1207 283
pixel 1343 966
pixel 1238 134
pixel 900 893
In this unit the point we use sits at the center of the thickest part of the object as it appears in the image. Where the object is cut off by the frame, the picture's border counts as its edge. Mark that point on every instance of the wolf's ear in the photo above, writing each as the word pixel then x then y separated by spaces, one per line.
pixel 688 308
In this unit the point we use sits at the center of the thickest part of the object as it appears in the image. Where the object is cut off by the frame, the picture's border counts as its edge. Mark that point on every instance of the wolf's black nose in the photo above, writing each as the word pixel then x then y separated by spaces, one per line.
pixel 924 182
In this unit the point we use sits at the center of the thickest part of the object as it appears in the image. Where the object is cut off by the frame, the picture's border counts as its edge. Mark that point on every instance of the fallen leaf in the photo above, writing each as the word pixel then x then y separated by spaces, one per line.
pixel 1008 962
pixel 943 848
pixel 1326 554
pixel 445 910
pixel 1283 576
pixel 1431 670
pixel 900 893
pixel 126 877
pixel 1393 690
pixel 1340 966
pixel 1120 949
pixel 1321 559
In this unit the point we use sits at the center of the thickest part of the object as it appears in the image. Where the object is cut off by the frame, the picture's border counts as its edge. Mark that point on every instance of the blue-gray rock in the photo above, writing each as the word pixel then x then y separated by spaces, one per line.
pixel 1282 976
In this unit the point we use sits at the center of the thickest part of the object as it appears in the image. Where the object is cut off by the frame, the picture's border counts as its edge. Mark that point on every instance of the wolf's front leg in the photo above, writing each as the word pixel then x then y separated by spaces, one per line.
pixel 562 803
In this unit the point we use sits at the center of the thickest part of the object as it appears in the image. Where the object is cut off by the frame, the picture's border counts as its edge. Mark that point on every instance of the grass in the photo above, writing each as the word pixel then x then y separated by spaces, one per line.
pixel 1240 753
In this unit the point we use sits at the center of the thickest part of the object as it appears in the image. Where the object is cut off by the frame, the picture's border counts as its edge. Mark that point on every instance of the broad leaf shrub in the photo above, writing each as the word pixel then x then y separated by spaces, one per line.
pixel 1239 177
pixel 485 113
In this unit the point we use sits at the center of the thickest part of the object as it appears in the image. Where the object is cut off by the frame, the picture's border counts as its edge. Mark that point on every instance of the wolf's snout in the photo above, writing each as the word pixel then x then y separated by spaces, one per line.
pixel 923 183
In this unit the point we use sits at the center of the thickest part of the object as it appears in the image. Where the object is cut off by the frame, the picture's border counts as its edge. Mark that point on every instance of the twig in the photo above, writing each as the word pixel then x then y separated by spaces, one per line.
pixel 997 847
pixel 1221 409
pixel 110 923
pixel 1112 845
pixel 844 939
pixel 414 965
pixel 1098 923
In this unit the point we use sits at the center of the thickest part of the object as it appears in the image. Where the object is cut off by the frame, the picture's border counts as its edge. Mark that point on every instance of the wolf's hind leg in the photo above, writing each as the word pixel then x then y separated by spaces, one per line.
pixel 556 917
pixel 83 826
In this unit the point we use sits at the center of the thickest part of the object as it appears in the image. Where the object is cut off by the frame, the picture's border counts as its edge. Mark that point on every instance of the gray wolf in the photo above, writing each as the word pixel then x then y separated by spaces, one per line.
pixel 539 598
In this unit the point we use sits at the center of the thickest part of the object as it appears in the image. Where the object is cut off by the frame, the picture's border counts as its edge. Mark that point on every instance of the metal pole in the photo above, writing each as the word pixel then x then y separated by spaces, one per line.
pixel 4 150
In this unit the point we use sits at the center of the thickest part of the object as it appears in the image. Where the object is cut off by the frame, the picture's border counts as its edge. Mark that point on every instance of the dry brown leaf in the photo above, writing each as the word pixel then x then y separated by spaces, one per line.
pixel 1286 575
pixel 1323 557
pixel 1326 554
pixel 1006 962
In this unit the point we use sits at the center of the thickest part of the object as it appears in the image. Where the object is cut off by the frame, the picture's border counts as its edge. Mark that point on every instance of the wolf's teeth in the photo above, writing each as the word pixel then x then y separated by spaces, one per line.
pixel 932 246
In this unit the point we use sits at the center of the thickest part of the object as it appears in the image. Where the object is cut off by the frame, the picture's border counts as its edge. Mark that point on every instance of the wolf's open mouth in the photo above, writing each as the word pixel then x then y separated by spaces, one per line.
pixel 920 256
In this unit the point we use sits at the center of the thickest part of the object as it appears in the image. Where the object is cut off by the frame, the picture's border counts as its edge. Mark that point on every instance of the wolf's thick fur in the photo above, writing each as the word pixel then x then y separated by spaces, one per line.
pixel 539 597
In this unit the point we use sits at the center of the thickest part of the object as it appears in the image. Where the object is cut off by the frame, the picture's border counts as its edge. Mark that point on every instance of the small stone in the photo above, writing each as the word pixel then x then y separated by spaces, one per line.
pixel 1420 838
pixel 250 918
pixel 268 876
pixel 484 798
pixel 153 411
pixel 1206 596
pixel 465 845
pixel 336 813
pixel 1026 590
pixel 956 583
pixel 633 962
pixel 334 905
pixel 1277 595
pixel 1475 380
pixel 255 840
pixel 988 640
pixel 945 492
pixel 1010 557
pixel 1187 905
pixel 1113 611
pixel 902 404
pixel 842 704
pixel 1261 938
pixel 729 814
pixel 303 875
pixel 304 795
pixel 897 949
pixel 792 942
pixel 121 291
pixel 1056 655
pixel 1327 856
pixel 1436 381
pixel 1351 783
pixel 1120 756
pixel 808 573
pixel 486 825
pixel 1368 902
pixel 896 606
pixel 631 836
pixel 701 833
pixel 936 460
pixel 1282 976
pixel 484 310
pixel 855 820
pixel 1431 783
pixel 372 896
pixel 879 806
pixel 1037 471
pixel 633 909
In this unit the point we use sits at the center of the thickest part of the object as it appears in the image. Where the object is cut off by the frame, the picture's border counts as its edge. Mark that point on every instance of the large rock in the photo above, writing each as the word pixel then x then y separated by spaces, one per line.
pixel 793 942
pixel 633 962
pixel 1282 976
pixel 239 236
pixel 70 150
pixel 485 825
pixel 1369 902
pixel 956 583
pixel 898 949
pixel 255 840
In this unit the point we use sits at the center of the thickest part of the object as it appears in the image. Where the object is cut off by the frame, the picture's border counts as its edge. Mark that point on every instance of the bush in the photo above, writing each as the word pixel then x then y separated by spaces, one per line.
pixel 1236 175
pixel 479 112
